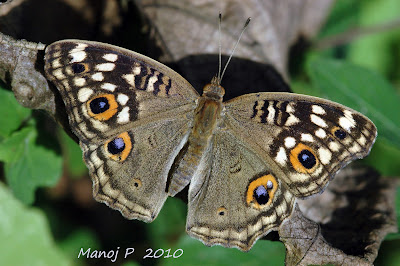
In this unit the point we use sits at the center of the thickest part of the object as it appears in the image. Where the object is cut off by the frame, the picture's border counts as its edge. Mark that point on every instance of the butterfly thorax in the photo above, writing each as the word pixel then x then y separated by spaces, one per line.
pixel 213 90
pixel 192 159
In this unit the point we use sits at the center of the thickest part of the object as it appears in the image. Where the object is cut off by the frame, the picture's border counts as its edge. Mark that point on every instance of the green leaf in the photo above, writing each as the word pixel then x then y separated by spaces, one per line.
pixel 360 89
pixel 264 252
pixel 36 166
pixel 73 154
pixel 75 241
pixel 385 158
pixel 25 236
pixel 12 113
pixel 11 148
pixel 344 15
pixel 376 50
pixel 389 254
pixel 169 225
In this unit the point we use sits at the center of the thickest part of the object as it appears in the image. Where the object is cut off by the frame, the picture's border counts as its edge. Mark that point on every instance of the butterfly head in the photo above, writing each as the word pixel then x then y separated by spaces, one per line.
pixel 214 89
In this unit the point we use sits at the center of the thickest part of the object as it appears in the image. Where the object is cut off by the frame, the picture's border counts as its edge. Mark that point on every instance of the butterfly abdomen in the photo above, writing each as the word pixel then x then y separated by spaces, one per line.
pixel 192 162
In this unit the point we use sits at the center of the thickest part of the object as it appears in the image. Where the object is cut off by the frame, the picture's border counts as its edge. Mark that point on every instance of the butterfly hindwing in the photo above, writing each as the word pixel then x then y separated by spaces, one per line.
pixel 130 171
pixel 305 140
pixel 240 200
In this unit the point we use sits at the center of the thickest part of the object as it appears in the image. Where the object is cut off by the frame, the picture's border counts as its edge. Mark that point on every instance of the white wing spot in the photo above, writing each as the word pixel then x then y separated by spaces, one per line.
pixel 281 157
pixel 318 110
pixel 292 120
pixel 355 148
pixel 318 121
pixel 307 137
pixel 290 108
pixel 136 70
pixel 79 47
pixel 347 122
pixel 151 82
pixel 59 74
pixel 108 86
pixel 362 140
pixel 130 78
pixel 105 67
pixel 320 133
pixel 290 142
pixel 110 57
pixel 84 94
pixel 122 99
pixel 334 146
pixel 98 76
pixel 324 155
pixel 271 113
pixel 77 56
pixel 123 116
pixel 56 63
pixel 79 82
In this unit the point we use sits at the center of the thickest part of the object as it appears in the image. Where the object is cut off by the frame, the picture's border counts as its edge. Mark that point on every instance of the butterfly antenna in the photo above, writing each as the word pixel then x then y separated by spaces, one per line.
pixel 219 46
pixel 234 48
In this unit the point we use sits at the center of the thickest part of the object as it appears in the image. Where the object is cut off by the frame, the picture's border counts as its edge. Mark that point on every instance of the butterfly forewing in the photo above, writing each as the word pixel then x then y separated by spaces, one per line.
pixel 131 114
pixel 103 86
pixel 305 140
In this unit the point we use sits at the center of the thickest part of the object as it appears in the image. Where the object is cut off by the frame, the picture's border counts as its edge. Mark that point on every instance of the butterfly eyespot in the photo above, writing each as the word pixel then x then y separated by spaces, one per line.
pixel 99 105
pixel 303 159
pixel 120 147
pixel 116 146
pixel 137 183
pixel 307 159
pixel 102 107
pixel 261 191
pixel 260 194
pixel 339 133
pixel 221 211
pixel 78 68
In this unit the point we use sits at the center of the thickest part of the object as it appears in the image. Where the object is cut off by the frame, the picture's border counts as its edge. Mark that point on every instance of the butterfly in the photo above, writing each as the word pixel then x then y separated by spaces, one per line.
pixel 146 134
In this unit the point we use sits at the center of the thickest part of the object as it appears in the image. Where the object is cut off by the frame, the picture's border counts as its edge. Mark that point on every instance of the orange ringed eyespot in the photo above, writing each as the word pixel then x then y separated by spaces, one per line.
pixel 261 191
pixel 303 159
pixel 120 147
pixel 102 107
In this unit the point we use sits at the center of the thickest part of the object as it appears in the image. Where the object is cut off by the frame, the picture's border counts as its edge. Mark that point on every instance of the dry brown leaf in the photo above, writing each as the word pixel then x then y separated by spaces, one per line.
pixel 346 224
pixel 188 27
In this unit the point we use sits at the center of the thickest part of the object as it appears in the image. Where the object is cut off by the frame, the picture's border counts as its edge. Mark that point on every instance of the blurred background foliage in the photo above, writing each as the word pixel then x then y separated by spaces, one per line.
pixel 47 213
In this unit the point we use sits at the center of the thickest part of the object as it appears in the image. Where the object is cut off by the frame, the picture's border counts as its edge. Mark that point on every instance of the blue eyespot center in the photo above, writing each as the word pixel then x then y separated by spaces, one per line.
pixel 261 195
pixel 99 105
pixel 116 146
pixel 307 159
